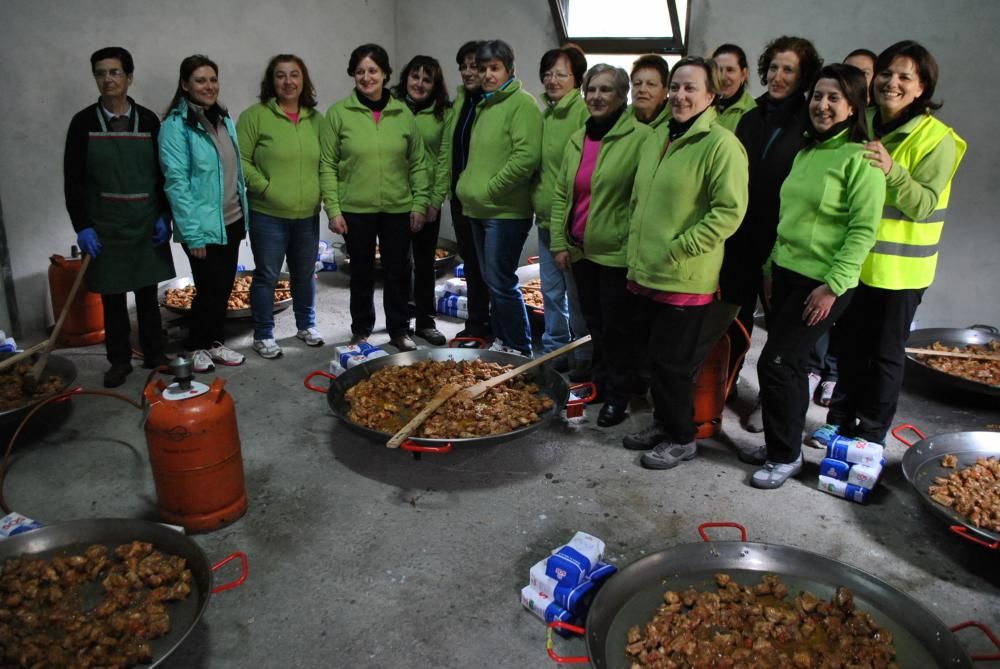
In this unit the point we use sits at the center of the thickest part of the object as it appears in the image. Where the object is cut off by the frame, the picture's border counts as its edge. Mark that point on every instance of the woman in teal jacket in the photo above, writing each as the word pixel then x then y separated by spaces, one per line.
pixel 690 194
pixel 279 143
pixel 200 157
pixel 831 203
pixel 589 229
pixel 373 176
pixel 495 188
pixel 563 113
pixel 421 86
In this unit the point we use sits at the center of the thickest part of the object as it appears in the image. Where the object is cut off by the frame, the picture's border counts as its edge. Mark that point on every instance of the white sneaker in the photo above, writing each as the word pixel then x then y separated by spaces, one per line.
pixel 201 362
pixel 310 336
pixel 826 393
pixel 267 348
pixel 225 356
pixel 814 380
pixel 500 347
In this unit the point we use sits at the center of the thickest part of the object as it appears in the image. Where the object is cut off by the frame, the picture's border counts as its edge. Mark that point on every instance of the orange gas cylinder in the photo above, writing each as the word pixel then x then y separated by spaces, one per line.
pixel 710 390
pixel 194 450
pixel 84 324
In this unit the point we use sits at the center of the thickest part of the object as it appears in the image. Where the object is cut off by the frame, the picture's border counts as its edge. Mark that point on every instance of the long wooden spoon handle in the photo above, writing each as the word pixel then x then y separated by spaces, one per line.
pixel 442 396
pixel 953 354
pixel 478 389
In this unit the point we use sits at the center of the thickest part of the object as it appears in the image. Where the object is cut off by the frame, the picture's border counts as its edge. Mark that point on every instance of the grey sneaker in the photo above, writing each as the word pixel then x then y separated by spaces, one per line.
pixel 773 475
pixel 310 336
pixel 752 456
pixel 267 348
pixel 668 455
pixel 755 419
pixel 647 438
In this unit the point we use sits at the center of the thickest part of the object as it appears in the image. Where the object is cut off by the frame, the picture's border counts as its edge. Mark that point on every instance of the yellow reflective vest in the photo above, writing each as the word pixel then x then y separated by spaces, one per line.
pixel 906 248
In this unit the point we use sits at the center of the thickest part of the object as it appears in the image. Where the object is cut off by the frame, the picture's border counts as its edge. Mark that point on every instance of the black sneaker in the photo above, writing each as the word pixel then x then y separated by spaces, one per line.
pixel 432 336
pixel 116 376
pixel 646 439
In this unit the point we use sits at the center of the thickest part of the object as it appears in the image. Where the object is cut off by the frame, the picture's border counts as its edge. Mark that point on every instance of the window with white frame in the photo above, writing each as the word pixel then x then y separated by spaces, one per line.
pixel 624 27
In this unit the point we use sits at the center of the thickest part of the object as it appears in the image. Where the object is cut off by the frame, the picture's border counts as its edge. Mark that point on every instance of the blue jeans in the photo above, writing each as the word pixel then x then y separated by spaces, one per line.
pixel 272 239
pixel 498 246
pixel 563 320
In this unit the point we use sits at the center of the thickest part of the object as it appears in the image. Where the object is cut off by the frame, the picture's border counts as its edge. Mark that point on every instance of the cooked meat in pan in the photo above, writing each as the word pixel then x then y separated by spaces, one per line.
pixel 973 492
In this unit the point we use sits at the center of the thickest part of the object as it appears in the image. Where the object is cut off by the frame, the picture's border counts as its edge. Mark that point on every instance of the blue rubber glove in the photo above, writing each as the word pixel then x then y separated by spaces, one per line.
pixel 161 230
pixel 89 242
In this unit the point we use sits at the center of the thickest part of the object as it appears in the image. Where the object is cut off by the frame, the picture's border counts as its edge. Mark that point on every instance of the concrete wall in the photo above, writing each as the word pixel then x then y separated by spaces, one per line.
pixel 46 43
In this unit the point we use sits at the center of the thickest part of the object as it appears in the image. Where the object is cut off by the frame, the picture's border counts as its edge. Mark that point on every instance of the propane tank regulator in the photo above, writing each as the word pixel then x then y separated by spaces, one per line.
pixel 183 387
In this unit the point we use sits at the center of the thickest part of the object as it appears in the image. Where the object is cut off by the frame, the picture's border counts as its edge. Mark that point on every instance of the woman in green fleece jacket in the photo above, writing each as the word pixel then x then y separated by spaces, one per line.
pixel 279 149
pixel 495 188
pixel 690 194
pixel 831 203
pixel 373 176
pixel 590 208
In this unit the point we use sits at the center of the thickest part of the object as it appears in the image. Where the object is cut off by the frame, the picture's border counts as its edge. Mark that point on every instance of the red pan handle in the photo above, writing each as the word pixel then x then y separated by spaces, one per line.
pixel 705 526
pixel 899 429
pixel 532 260
pixel 455 342
pixel 989 634
pixel 312 375
pixel 549 644
pixel 417 448
pixel 963 532
pixel 590 397
pixel 244 572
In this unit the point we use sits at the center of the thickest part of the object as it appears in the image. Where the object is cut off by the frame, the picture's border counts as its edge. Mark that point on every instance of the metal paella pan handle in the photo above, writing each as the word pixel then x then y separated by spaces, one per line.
pixel 314 374
pixel 244 571
pixel 989 634
pixel 992 329
pixel 550 644
pixel 705 526
pixel 899 429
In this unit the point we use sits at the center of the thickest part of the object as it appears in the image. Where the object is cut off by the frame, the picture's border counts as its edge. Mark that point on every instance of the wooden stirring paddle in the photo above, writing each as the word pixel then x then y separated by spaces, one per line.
pixel 953 354
pixel 442 396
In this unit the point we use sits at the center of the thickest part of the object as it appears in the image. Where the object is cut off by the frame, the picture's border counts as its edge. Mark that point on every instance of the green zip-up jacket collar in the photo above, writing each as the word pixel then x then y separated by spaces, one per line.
pixel 504 152
pixel 659 120
pixel 280 160
pixel 686 201
pixel 730 118
pixel 367 167
pixel 606 235
pixel 432 131
pixel 559 122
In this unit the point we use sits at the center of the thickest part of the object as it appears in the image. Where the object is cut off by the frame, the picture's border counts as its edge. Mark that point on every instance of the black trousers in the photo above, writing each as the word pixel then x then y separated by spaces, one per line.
pixel 609 311
pixel 478 293
pixel 424 245
pixel 740 347
pixel 871 339
pixel 118 329
pixel 783 365
pixel 213 278
pixel 674 336
pixel 392 231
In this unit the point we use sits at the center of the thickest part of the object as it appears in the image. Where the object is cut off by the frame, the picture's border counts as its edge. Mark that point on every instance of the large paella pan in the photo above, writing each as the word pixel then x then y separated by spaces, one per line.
pixel 979 335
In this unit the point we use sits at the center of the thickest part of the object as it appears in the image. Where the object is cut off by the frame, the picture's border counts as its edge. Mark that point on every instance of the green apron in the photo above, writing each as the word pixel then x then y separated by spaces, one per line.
pixel 122 205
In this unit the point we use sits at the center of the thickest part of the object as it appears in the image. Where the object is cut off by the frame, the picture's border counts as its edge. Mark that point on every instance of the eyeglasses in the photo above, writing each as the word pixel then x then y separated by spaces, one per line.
pixel 559 76
pixel 113 73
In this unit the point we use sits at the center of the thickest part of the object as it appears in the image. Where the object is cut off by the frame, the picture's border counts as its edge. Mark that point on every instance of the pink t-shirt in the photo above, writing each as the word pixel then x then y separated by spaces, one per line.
pixel 581 188
pixel 294 116
pixel 377 115
pixel 674 299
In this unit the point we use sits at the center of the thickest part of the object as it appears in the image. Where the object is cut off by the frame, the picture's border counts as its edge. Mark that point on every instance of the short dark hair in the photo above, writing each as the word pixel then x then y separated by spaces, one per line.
pixel 851 82
pixel 927 68
pixel 467 48
pixel 809 60
pixel 653 61
pixel 868 53
pixel 188 66
pixel 741 56
pixel 706 64
pixel 308 96
pixel 498 49
pixel 574 54
pixel 378 55
pixel 119 52
pixel 440 91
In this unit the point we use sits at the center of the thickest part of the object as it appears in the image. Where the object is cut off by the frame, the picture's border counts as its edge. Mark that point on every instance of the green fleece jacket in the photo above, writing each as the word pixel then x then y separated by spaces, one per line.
pixel 431 129
pixel 367 167
pixel 280 160
pixel 831 205
pixel 685 202
pixel 730 118
pixel 606 234
pixel 559 121
pixel 504 151
pixel 658 121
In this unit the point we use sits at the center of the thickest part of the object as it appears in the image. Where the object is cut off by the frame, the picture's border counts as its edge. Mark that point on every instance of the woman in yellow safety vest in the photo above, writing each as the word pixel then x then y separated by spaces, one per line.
pixel 919 156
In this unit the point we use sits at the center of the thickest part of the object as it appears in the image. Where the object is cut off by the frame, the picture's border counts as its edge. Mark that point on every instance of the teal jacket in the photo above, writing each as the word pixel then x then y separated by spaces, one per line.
pixel 193 173
pixel 280 160
pixel 606 235
pixel 504 151
pixel 431 129
pixel 559 121
pixel 686 201
pixel 831 206
pixel 367 167
pixel 730 118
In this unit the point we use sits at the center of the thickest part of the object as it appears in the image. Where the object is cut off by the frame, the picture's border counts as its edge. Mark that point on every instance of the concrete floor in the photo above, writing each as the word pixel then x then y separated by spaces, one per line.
pixel 364 557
